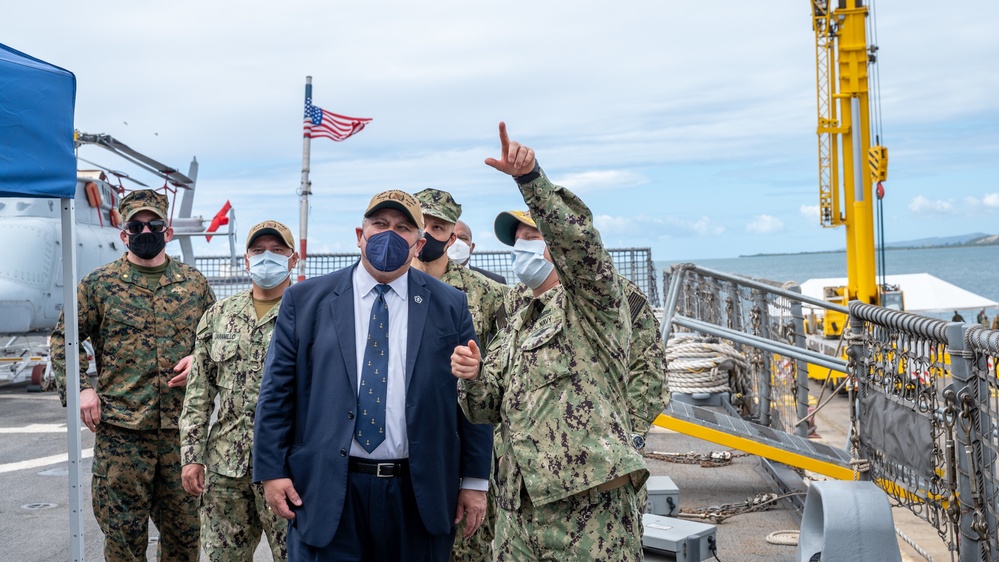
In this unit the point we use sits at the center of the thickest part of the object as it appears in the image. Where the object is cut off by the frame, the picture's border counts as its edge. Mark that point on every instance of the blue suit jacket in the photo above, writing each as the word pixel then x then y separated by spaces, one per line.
pixel 308 401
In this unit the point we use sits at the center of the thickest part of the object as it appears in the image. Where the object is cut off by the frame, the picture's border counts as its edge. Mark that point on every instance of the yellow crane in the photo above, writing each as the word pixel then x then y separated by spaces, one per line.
pixel 843 58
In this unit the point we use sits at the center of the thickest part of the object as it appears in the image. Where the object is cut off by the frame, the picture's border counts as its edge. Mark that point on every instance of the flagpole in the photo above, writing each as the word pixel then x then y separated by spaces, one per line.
pixel 304 191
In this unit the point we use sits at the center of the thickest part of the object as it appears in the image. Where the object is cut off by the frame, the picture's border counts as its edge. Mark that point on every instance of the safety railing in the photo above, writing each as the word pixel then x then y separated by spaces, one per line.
pixel 927 414
pixel 763 321
pixel 924 393
pixel 226 279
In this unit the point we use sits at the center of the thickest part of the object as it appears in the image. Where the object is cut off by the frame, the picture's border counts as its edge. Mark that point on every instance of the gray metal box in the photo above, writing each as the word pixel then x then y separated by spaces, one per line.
pixel 664 496
pixel 687 541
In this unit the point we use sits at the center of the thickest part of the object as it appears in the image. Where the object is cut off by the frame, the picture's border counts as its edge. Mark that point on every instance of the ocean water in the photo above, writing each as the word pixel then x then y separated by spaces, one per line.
pixel 974 269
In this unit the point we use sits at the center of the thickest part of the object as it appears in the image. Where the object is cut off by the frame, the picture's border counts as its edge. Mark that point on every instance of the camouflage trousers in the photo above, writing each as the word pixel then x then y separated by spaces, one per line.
pixel 137 477
pixel 233 514
pixel 478 547
pixel 591 525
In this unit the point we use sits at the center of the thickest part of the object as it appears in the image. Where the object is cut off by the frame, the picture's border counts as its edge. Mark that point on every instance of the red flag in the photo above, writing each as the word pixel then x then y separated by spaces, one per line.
pixel 321 123
pixel 220 218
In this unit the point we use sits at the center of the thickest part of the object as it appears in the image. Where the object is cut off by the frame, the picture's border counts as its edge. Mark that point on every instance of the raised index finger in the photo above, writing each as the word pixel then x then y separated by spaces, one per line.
pixel 504 139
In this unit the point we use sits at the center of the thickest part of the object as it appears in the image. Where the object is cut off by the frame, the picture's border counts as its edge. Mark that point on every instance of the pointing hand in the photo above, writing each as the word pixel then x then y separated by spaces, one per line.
pixel 515 159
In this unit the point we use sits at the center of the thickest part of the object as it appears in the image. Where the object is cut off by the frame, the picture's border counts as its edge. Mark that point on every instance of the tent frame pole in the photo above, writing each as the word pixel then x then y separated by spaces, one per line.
pixel 72 333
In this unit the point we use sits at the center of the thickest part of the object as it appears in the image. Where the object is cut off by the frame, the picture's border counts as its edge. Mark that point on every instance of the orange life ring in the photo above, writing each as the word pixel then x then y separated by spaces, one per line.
pixel 93 195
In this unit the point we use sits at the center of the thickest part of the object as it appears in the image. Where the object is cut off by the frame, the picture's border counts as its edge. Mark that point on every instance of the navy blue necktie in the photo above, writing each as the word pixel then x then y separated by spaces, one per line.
pixel 370 427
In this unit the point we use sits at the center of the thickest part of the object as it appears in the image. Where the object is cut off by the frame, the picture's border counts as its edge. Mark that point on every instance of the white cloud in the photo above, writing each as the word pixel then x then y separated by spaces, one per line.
pixel 920 204
pixel 810 212
pixel 765 224
pixel 608 119
pixel 583 182
pixel 988 202
pixel 657 227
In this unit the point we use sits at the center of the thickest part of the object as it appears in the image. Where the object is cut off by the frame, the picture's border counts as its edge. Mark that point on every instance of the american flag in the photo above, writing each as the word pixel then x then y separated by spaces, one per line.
pixel 321 123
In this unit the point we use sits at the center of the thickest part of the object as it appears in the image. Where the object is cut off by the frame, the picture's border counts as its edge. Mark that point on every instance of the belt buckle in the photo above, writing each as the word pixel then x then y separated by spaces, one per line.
pixel 388 466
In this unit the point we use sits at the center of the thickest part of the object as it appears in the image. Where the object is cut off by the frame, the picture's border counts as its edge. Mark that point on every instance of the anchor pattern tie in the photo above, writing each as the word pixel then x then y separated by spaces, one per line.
pixel 370 427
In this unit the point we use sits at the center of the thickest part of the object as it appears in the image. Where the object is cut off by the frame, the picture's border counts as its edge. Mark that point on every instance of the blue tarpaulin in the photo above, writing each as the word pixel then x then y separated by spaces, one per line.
pixel 36 127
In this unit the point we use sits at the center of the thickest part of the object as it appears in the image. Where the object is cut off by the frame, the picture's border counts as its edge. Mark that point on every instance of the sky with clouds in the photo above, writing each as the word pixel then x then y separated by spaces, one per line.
pixel 688 127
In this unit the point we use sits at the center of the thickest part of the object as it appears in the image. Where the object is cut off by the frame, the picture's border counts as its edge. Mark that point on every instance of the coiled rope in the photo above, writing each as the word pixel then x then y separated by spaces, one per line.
pixel 701 365
pixel 790 538
pixel 784 538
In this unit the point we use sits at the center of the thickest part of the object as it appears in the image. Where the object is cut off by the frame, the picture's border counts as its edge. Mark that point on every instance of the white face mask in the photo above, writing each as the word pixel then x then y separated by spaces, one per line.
pixel 459 252
pixel 529 263
pixel 268 270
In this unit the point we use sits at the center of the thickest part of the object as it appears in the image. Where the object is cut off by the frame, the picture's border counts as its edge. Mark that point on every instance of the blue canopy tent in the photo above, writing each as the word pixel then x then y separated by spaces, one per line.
pixel 37 159
pixel 36 125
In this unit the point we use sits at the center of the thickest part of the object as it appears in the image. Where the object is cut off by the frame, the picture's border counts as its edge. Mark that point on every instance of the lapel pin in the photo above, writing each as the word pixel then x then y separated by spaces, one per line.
pixel 418 299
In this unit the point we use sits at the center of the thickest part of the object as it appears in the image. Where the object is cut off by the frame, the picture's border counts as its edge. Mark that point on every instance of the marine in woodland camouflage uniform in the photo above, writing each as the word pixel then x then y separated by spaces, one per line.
pixel 232 341
pixel 485 304
pixel 555 382
pixel 139 313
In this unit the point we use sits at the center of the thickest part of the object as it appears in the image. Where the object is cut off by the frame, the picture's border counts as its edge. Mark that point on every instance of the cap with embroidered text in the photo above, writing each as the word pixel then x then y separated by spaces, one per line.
pixel 400 201
pixel 274 228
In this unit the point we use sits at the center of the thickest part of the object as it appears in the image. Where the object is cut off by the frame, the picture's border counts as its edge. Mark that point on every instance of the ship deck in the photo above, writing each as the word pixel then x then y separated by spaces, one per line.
pixel 34 515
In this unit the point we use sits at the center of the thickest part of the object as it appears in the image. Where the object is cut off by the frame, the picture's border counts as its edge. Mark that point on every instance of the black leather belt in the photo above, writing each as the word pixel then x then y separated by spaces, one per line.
pixel 381 469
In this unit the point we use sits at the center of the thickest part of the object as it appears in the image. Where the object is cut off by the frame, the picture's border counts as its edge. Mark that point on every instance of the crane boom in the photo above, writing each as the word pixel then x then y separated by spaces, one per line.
pixel 829 212
pixel 844 139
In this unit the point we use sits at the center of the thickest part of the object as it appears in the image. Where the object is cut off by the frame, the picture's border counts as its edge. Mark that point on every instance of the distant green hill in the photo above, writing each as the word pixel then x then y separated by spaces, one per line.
pixel 975 239
pixel 942 241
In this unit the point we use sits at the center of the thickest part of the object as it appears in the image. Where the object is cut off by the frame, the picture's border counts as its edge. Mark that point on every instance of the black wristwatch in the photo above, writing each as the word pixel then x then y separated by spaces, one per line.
pixel 637 441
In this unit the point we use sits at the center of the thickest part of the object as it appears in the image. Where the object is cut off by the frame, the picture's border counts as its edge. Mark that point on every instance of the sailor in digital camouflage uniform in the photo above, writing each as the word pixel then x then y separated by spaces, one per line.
pixel 485 303
pixel 648 389
pixel 554 381
pixel 232 341
pixel 139 313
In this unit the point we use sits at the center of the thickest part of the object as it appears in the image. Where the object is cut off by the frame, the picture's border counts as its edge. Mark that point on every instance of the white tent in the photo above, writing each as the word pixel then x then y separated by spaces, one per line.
pixel 922 291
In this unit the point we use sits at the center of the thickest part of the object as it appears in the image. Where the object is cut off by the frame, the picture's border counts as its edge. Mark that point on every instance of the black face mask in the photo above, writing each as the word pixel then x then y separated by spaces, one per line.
pixel 433 249
pixel 147 245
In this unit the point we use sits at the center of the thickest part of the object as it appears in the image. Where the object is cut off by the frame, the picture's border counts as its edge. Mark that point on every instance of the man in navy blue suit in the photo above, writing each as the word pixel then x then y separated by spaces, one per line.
pixel 359 440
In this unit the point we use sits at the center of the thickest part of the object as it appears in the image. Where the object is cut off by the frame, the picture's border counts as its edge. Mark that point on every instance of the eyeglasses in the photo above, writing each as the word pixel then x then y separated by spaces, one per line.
pixel 136 227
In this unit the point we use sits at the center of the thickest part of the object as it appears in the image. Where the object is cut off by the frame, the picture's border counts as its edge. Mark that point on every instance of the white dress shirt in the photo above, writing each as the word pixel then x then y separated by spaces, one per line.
pixel 396 444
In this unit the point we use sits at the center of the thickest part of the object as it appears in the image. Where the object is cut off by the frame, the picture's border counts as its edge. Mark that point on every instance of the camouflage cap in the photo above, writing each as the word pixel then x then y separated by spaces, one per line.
pixel 400 201
pixel 274 228
pixel 440 204
pixel 143 200
pixel 506 225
